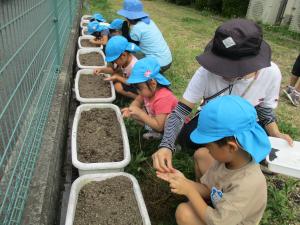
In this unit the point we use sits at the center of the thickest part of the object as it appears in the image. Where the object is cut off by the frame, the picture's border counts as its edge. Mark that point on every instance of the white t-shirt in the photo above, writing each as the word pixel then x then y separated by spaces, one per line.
pixel 264 91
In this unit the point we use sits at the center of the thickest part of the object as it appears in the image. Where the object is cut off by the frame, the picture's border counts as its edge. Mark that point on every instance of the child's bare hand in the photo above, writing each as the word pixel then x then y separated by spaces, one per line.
pixel 97 71
pixel 167 176
pixel 181 185
pixel 96 41
pixel 112 78
pixel 125 112
pixel 135 111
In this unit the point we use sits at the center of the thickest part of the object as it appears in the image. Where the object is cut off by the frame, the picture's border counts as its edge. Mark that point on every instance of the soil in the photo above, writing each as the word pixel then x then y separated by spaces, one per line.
pixel 91 86
pixel 84 24
pixel 99 137
pixel 86 43
pixel 91 59
pixel 85 32
pixel 108 202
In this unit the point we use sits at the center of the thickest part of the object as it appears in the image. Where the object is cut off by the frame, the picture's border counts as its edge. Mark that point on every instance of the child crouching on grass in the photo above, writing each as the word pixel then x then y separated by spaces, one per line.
pixel 154 95
pixel 234 183
pixel 100 32
pixel 119 54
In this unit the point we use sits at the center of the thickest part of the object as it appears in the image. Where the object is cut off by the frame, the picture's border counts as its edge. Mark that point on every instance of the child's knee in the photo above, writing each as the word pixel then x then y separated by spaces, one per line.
pixel 183 213
pixel 201 154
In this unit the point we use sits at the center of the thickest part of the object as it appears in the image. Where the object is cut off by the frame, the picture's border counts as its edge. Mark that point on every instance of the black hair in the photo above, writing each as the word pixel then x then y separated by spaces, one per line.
pixel 97 34
pixel 93 19
pixel 126 33
pixel 112 30
pixel 134 22
pixel 224 141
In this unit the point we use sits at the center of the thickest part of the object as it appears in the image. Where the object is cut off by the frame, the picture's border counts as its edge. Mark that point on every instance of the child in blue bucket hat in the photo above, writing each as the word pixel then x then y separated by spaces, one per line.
pixel 100 32
pixel 145 33
pixel 115 27
pixel 233 183
pixel 119 54
pixel 97 17
pixel 154 96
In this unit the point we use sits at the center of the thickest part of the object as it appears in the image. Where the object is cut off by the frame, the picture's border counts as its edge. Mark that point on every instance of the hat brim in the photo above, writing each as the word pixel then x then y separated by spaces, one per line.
pixel 200 138
pixel 132 15
pixel 232 68
pixel 140 79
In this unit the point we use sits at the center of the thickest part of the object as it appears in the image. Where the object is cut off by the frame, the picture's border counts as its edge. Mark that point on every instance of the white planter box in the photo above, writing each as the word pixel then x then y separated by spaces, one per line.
pixel 87 37
pixel 81 181
pixel 83 22
pixel 286 160
pixel 86 17
pixel 101 167
pixel 83 51
pixel 83 30
pixel 92 100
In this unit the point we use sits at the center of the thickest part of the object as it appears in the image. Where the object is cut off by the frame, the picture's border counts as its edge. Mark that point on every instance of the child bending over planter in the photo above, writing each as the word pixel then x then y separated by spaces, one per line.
pixel 115 27
pixel 100 32
pixel 119 54
pixel 154 96
pixel 233 189
pixel 145 33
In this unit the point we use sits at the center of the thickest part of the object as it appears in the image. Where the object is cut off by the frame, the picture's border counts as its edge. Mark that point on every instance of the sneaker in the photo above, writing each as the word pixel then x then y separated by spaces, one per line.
pixel 289 89
pixel 152 135
pixel 294 97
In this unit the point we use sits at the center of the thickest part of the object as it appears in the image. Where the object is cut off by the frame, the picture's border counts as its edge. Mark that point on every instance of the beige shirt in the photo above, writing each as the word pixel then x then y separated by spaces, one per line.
pixel 244 195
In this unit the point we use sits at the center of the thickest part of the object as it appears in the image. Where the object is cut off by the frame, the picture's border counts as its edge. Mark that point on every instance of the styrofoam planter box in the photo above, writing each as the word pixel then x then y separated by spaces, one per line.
pixel 83 180
pixel 101 167
pixel 84 22
pixel 286 158
pixel 83 30
pixel 86 17
pixel 92 100
pixel 88 50
pixel 87 37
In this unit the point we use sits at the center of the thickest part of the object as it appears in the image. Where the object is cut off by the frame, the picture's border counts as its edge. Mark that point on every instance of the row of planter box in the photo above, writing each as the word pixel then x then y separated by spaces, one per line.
pixel 100 172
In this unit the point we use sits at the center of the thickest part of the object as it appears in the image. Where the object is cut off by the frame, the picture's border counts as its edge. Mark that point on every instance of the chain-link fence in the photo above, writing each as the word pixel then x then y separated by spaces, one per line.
pixel 33 36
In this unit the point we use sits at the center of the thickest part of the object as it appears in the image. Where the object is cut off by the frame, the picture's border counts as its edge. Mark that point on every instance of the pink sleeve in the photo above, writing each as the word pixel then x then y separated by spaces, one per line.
pixel 164 105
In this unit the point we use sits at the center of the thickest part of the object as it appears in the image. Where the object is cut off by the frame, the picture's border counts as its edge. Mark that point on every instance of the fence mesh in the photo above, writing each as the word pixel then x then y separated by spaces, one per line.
pixel 33 36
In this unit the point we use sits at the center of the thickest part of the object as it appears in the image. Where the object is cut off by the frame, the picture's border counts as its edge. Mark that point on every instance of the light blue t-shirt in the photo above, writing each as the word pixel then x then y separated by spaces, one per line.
pixel 151 41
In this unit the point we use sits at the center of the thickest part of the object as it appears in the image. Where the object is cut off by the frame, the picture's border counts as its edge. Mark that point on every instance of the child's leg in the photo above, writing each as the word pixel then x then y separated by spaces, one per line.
pixel 120 90
pixel 293 80
pixel 185 215
pixel 203 160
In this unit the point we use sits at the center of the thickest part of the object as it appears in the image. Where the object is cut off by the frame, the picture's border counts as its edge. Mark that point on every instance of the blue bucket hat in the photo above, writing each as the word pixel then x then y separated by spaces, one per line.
pixel 94 26
pixel 146 69
pixel 232 116
pixel 116 46
pixel 132 9
pixel 98 17
pixel 116 24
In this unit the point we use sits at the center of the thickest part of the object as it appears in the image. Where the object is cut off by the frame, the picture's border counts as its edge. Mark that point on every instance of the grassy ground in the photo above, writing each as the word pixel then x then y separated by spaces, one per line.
pixel 187 31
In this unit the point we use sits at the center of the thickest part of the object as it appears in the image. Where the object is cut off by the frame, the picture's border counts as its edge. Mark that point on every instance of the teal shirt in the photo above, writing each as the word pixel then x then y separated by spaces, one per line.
pixel 151 41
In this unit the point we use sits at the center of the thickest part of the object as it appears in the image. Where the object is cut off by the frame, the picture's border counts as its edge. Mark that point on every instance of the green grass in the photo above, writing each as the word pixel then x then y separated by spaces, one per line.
pixel 187 31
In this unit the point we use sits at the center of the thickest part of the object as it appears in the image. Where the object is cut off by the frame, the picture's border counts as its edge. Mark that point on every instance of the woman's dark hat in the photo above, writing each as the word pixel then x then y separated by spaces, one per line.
pixel 236 50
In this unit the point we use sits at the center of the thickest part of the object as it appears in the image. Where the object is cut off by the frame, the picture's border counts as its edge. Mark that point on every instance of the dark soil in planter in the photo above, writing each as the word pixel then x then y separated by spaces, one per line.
pixel 91 59
pixel 86 43
pixel 108 202
pixel 84 24
pixel 85 32
pixel 91 86
pixel 99 137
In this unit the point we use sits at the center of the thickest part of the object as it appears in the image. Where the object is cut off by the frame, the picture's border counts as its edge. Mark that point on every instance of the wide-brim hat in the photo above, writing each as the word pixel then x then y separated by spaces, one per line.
pixel 116 46
pixel 146 69
pixel 232 116
pixel 236 50
pixel 132 9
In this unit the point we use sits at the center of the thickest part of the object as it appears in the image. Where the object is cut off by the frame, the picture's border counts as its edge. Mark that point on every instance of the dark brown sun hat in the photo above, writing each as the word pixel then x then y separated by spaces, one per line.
pixel 236 50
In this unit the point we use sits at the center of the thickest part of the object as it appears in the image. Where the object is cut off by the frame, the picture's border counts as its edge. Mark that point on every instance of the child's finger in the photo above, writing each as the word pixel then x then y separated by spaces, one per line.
pixel 163 176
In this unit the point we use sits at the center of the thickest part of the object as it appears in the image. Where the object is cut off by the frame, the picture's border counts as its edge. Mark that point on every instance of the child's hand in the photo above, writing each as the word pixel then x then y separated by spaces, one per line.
pixel 135 111
pixel 167 176
pixel 125 112
pixel 96 41
pixel 181 185
pixel 112 78
pixel 97 71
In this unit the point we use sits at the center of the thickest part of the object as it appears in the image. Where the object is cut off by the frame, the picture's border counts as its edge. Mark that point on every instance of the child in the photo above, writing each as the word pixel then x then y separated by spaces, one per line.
pixel 154 95
pixel 101 33
pixel 145 32
pixel 234 182
pixel 98 18
pixel 115 28
pixel 118 52
pixel 293 90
